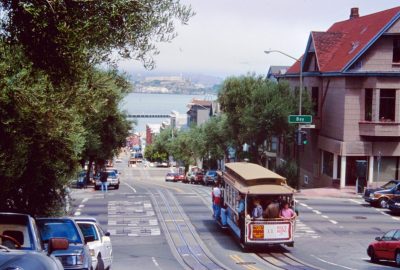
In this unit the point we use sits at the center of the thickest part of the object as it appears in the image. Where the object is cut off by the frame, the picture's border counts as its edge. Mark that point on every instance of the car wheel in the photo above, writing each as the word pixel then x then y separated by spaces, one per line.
pixel 371 254
pixel 117 187
pixel 383 203
pixel 397 259
pixel 96 188
pixel 100 264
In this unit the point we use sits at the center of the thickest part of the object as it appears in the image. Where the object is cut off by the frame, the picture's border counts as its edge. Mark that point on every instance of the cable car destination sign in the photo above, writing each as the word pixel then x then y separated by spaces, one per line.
pixel 300 119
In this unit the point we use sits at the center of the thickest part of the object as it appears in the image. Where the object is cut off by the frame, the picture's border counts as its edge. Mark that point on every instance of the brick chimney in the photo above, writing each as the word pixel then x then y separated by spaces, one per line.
pixel 354 13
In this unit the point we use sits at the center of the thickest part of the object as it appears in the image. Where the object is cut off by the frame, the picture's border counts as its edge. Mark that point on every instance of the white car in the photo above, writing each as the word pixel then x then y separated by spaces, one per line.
pixel 112 180
pixel 99 245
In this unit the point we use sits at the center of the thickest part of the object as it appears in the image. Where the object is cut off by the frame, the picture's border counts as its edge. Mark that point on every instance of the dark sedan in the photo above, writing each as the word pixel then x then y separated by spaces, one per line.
pixel 369 192
pixel 20 247
pixel 77 256
pixel 394 205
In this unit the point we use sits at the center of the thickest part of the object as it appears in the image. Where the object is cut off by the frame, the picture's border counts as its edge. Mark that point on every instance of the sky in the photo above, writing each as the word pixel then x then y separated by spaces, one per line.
pixel 229 37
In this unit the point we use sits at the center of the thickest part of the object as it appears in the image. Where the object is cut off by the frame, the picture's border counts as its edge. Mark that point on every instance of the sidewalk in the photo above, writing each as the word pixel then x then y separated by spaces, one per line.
pixel 329 192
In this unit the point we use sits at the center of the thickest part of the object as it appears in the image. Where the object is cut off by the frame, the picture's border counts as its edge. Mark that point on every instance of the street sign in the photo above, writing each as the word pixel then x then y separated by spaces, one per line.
pixel 307 126
pixel 300 119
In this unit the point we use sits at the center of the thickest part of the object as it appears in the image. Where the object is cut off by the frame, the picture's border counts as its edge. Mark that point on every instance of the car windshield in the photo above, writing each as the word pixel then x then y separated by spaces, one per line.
pixel 18 228
pixel 88 229
pixel 212 173
pixel 111 174
pixel 58 228
pixel 389 185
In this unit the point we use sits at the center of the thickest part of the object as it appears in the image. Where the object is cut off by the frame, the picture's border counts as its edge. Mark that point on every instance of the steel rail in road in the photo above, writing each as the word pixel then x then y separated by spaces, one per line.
pixel 281 260
pixel 201 260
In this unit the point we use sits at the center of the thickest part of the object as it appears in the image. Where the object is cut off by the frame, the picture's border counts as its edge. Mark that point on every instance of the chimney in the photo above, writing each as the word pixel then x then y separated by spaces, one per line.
pixel 354 13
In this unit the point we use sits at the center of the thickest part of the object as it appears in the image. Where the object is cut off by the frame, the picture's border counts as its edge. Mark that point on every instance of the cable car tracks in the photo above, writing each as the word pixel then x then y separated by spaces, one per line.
pixel 283 260
pixel 183 237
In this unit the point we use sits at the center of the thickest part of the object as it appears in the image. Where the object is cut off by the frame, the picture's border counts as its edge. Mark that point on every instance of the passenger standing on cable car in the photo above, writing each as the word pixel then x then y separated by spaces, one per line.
pixel 240 210
pixel 216 199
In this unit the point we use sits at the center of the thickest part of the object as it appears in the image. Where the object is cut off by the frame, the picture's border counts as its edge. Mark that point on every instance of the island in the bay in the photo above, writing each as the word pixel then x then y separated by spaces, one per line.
pixel 192 84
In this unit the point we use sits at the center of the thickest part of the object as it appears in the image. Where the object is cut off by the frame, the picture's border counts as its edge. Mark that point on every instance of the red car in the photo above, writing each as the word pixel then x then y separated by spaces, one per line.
pixel 386 247
pixel 179 177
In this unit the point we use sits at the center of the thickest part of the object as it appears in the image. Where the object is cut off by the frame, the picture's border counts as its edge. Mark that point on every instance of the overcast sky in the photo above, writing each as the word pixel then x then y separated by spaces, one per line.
pixel 228 37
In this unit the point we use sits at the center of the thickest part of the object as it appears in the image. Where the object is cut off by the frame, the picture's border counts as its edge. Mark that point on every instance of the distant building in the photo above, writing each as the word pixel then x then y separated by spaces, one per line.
pixel 199 111
pixel 352 74
pixel 274 72
pixel 178 121
pixel 151 131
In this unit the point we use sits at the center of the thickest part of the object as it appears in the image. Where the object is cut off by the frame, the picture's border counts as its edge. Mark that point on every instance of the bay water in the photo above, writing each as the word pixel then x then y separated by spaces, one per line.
pixel 144 103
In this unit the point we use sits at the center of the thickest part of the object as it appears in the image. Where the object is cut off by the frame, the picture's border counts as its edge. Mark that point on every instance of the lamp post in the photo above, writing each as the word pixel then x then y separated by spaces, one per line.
pixel 300 105
pixel 300 75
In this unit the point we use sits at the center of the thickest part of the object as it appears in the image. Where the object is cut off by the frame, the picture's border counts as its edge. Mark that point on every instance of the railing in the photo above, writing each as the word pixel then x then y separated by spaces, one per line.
pixel 148 115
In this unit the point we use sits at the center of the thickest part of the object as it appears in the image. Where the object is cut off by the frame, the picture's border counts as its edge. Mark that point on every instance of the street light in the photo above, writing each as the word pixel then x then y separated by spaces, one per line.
pixel 300 98
pixel 301 72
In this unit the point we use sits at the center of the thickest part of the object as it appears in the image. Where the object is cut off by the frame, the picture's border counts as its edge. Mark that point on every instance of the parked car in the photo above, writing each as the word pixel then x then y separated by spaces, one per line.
pixel 112 180
pixel 189 176
pixel 386 247
pixel 179 177
pixel 77 256
pixel 211 177
pixel 394 205
pixel 20 245
pixel 368 193
pixel 380 198
pixel 100 247
pixel 170 176
pixel 197 178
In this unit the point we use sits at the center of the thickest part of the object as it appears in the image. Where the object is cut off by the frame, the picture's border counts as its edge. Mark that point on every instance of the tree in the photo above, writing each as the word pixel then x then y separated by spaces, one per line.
pixel 257 111
pixel 57 107
pixel 41 139
pixel 65 37
pixel 217 137
pixel 106 127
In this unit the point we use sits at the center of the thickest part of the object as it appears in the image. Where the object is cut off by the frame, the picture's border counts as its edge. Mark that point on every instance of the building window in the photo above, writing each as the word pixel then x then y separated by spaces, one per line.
pixel 368 104
pixel 396 51
pixel 314 97
pixel 327 165
pixel 385 169
pixel 387 105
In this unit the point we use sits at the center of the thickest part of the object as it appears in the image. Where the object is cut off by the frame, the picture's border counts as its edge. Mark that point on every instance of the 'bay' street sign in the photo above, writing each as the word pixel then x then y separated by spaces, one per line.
pixel 300 119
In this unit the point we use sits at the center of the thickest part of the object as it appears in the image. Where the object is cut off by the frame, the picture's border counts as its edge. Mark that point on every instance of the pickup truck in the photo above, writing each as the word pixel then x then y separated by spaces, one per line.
pixel 20 245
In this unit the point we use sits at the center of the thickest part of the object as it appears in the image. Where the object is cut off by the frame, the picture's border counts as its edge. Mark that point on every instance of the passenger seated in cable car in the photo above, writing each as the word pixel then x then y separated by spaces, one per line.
pixel 272 210
pixel 286 212
pixel 257 211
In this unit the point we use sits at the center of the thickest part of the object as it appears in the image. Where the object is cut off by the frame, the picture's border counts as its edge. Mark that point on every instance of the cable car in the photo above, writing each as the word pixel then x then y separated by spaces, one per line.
pixel 248 183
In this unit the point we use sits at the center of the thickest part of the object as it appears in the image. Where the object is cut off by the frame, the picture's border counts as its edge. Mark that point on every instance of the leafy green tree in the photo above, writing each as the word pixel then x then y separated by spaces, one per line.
pixel 217 137
pixel 106 127
pixel 65 37
pixel 41 139
pixel 56 107
pixel 257 111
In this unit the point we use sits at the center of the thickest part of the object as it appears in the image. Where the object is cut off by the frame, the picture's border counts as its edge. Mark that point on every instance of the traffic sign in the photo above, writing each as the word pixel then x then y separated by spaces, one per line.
pixel 300 119
pixel 306 126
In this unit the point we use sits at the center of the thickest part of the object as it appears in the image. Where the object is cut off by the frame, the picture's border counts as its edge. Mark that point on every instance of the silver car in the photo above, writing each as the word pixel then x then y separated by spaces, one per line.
pixel 77 256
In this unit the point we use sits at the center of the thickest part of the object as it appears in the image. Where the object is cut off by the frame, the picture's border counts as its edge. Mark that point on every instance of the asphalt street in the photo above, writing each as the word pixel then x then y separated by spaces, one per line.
pixel 160 225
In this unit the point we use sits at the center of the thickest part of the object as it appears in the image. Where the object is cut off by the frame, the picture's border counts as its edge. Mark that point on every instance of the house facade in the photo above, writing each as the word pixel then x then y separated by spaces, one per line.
pixel 199 112
pixel 352 74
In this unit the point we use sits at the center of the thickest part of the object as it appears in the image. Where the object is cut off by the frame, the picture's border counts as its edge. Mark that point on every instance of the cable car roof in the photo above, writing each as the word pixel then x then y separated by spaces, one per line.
pixel 254 179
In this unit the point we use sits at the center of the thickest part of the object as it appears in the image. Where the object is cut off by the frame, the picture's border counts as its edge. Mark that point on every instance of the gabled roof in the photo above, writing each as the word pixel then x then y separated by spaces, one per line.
pixel 345 41
pixel 200 102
